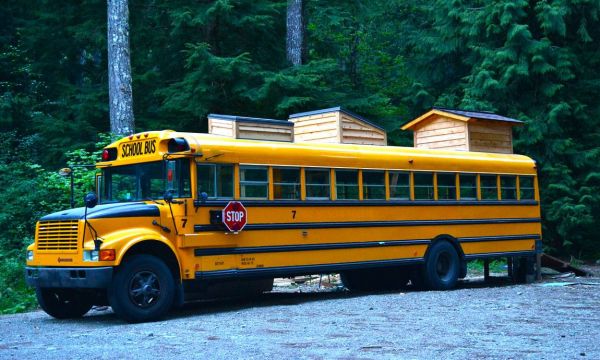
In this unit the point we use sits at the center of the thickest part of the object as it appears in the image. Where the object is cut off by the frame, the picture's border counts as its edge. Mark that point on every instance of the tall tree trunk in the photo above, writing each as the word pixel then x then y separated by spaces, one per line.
pixel 295 32
pixel 119 69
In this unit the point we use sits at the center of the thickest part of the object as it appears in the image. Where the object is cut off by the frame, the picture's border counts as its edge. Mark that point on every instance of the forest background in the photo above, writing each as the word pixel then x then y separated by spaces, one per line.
pixel 537 61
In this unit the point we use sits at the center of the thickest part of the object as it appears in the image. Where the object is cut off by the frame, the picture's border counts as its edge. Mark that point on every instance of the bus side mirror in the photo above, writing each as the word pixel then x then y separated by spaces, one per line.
pixel 203 197
pixel 90 200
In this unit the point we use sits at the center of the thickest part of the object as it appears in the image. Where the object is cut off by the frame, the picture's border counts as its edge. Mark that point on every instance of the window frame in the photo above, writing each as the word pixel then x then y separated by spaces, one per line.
pixel 482 188
pixel 298 184
pixel 514 187
pixel 307 184
pixel 415 186
pixel 349 185
pixel 460 187
pixel 243 183
pixel 216 179
pixel 408 187
pixel 365 185
pixel 454 175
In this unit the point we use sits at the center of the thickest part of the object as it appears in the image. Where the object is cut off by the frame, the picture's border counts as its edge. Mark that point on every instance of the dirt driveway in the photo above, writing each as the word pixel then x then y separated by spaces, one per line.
pixel 540 321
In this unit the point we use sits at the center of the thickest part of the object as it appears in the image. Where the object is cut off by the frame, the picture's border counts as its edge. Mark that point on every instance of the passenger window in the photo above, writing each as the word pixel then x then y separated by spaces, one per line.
pixel 446 184
pixel 254 182
pixel 346 184
pixel 468 186
pixel 286 183
pixel 489 187
pixel 508 187
pixel 317 184
pixel 399 185
pixel 216 180
pixel 373 185
pixel 527 191
pixel 423 186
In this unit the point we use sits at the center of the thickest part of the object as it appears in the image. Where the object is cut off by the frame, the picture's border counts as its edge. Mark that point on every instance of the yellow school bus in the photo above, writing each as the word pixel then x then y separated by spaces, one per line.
pixel 381 216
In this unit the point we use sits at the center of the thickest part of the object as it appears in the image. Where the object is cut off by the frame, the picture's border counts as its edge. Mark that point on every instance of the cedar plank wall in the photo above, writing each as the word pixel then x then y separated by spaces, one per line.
pixel 442 133
pixel 317 128
pixel 489 136
pixel 259 131
pixel 356 132
pixel 221 127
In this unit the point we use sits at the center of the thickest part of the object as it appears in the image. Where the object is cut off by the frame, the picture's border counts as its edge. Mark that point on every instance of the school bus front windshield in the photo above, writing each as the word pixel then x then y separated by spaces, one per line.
pixel 145 181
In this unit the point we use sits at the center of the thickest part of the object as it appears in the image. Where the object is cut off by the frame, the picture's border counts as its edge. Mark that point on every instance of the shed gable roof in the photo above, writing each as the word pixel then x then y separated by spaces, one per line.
pixel 461 115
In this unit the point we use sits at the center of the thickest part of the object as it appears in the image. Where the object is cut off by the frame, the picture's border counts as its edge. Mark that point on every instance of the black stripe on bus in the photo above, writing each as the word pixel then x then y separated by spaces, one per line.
pixel 359 224
pixel 301 203
pixel 351 245
pixel 301 270
pixel 307 247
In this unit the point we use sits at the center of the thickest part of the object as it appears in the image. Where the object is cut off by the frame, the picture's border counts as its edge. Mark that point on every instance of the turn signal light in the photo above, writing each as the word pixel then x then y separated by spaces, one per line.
pixel 107 255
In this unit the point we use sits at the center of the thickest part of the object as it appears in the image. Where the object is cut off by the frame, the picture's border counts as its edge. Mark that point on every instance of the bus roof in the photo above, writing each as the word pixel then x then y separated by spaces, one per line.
pixel 214 148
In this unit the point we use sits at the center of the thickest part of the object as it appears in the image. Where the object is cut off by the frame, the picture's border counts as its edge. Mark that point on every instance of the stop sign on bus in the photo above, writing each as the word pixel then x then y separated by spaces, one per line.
pixel 234 216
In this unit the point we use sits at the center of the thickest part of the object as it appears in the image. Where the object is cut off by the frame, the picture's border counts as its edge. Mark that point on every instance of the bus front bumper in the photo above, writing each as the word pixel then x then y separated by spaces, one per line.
pixel 91 278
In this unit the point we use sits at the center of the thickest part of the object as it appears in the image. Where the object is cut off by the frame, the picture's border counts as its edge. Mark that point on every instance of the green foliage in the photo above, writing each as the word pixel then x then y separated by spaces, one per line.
pixel 29 192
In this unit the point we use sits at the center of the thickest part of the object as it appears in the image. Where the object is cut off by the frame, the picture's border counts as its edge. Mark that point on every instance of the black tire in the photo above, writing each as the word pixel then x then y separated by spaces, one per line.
pixel 442 267
pixel 143 289
pixel 63 303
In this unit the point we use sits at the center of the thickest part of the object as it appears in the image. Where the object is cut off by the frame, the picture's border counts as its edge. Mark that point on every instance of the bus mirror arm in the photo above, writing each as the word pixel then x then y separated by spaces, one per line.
pixel 169 199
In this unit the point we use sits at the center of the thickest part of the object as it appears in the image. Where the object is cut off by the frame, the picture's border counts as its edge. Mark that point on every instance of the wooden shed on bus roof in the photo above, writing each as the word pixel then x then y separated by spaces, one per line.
pixel 336 125
pixel 243 127
pixel 454 129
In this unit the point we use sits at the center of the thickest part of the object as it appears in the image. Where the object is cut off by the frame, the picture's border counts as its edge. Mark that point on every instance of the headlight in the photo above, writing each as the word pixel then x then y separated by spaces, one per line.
pixel 90 255
pixel 29 255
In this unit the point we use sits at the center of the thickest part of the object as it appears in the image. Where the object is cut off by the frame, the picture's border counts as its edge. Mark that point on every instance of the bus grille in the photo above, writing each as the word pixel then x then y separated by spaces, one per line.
pixel 58 235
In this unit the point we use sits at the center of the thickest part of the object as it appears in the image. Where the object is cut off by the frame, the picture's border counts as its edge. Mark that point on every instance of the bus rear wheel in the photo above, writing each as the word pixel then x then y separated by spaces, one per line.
pixel 63 303
pixel 143 289
pixel 442 267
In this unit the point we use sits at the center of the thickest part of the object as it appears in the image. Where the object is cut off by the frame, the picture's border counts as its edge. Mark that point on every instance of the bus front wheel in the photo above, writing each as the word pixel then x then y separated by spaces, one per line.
pixel 442 267
pixel 143 289
pixel 63 303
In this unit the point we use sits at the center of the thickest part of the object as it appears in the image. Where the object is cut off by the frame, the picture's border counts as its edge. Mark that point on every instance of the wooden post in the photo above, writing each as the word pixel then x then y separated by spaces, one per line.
pixel 538 267
pixel 486 269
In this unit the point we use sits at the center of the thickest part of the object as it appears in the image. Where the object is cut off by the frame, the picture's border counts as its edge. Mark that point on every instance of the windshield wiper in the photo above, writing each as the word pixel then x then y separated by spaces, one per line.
pixel 154 201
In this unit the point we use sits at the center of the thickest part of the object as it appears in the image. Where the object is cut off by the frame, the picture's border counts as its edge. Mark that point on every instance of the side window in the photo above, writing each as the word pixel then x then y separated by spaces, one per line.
pixel 317 184
pixel 399 185
pixel 346 184
pixel 446 184
pixel 286 183
pixel 468 186
pixel 254 182
pixel 373 185
pixel 489 187
pixel 508 187
pixel 527 191
pixel 216 180
pixel 423 185
pixel 178 178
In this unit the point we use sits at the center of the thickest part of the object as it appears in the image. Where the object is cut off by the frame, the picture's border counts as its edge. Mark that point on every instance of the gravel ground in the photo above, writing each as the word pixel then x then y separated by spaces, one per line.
pixel 555 319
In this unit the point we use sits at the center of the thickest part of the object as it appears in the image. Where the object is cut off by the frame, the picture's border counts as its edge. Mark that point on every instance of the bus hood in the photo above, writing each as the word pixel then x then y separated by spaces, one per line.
pixel 136 209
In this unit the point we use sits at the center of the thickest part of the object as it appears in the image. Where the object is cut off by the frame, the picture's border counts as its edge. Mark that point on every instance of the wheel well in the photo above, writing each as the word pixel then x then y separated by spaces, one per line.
pixel 452 240
pixel 158 249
